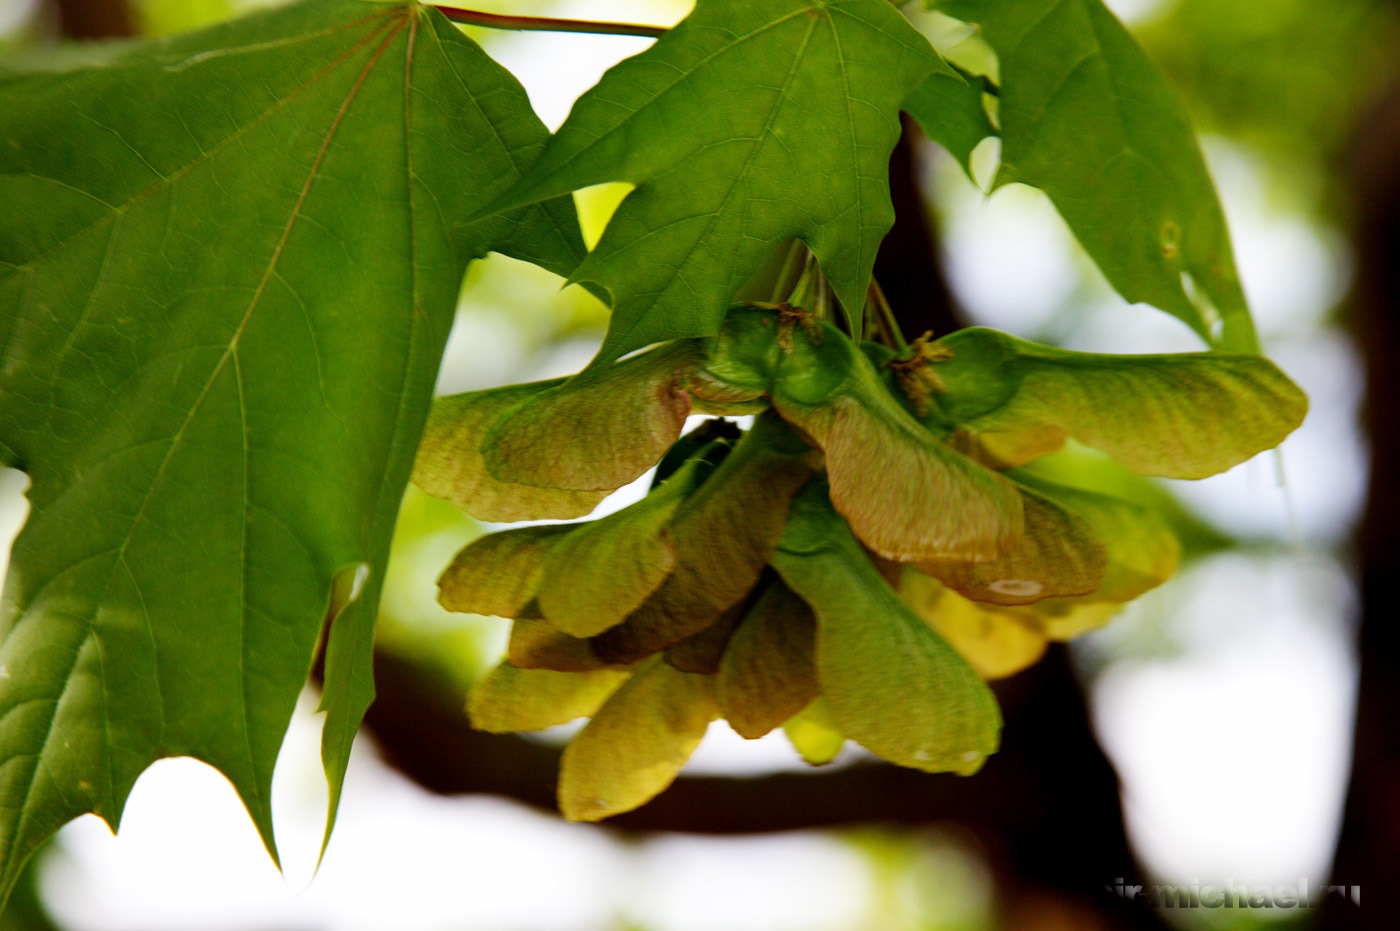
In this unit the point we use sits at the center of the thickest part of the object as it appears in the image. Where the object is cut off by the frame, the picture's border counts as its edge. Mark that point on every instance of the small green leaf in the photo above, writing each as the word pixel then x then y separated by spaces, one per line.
pixel 724 534
pixel 637 743
pixel 751 123
pixel 1087 118
pixel 603 570
pixel 1059 555
pixel 499 574
pixel 1184 415
pixel 892 684
pixel 600 429
pixel 768 673
pixel 450 464
pixel 513 699
pixel 813 733
pixel 907 495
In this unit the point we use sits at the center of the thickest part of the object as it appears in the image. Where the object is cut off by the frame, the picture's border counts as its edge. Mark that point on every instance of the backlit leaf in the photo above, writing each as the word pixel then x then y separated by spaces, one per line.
pixel 637 742
pixel 892 684
pixel 751 123
pixel 1184 415
pixel 513 699
pixel 997 641
pixel 499 574
pixel 1140 553
pixel 1140 549
pixel 1059 555
pixel 813 733
pixel 1087 118
pixel 600 429
pixel 450 464
pixel 228 265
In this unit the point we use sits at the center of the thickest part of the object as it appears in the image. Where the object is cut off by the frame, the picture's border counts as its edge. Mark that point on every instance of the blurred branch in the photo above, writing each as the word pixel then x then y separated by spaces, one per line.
pixel 94 19
pixel 1370 836
pixel 1046 807
pixel 908 266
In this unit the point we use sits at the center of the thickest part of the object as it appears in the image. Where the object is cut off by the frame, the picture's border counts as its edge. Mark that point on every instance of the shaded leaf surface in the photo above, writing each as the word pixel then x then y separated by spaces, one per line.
pixel 228 264
pixel 768 673
pixel 537 644
pixel 1185 415
pixel 751 123
pixel 1087 118
pixel 892 684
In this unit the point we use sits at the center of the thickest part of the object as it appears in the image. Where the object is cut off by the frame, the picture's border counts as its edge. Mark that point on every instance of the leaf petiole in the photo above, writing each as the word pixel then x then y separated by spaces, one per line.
pixel 882 314
pixel 546 24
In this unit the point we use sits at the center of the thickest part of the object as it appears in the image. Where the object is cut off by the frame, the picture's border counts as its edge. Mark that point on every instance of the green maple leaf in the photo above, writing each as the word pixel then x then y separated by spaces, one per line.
pixel 228 264
pixel 1087 118
pixel 751 123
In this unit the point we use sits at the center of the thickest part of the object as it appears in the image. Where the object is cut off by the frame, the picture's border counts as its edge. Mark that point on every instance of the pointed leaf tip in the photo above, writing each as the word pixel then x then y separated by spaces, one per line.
pixel 207 236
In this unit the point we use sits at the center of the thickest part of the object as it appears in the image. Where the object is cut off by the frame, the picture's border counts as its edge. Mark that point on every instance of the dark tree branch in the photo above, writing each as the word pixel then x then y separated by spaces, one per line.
pixel 1046 806
pixel 94 19
pixel 1369 843
pixel 908 266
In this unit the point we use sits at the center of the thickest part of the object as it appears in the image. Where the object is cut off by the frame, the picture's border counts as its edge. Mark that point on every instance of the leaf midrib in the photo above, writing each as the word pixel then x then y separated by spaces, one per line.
pixel 231 352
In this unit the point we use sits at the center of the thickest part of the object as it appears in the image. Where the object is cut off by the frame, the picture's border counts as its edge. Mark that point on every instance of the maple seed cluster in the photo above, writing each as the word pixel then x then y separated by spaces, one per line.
pixel 893 529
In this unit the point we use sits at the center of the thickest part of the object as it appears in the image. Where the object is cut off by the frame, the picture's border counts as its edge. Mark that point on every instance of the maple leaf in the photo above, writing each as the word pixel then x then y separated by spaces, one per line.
pixel 228 265
pixel 752 123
